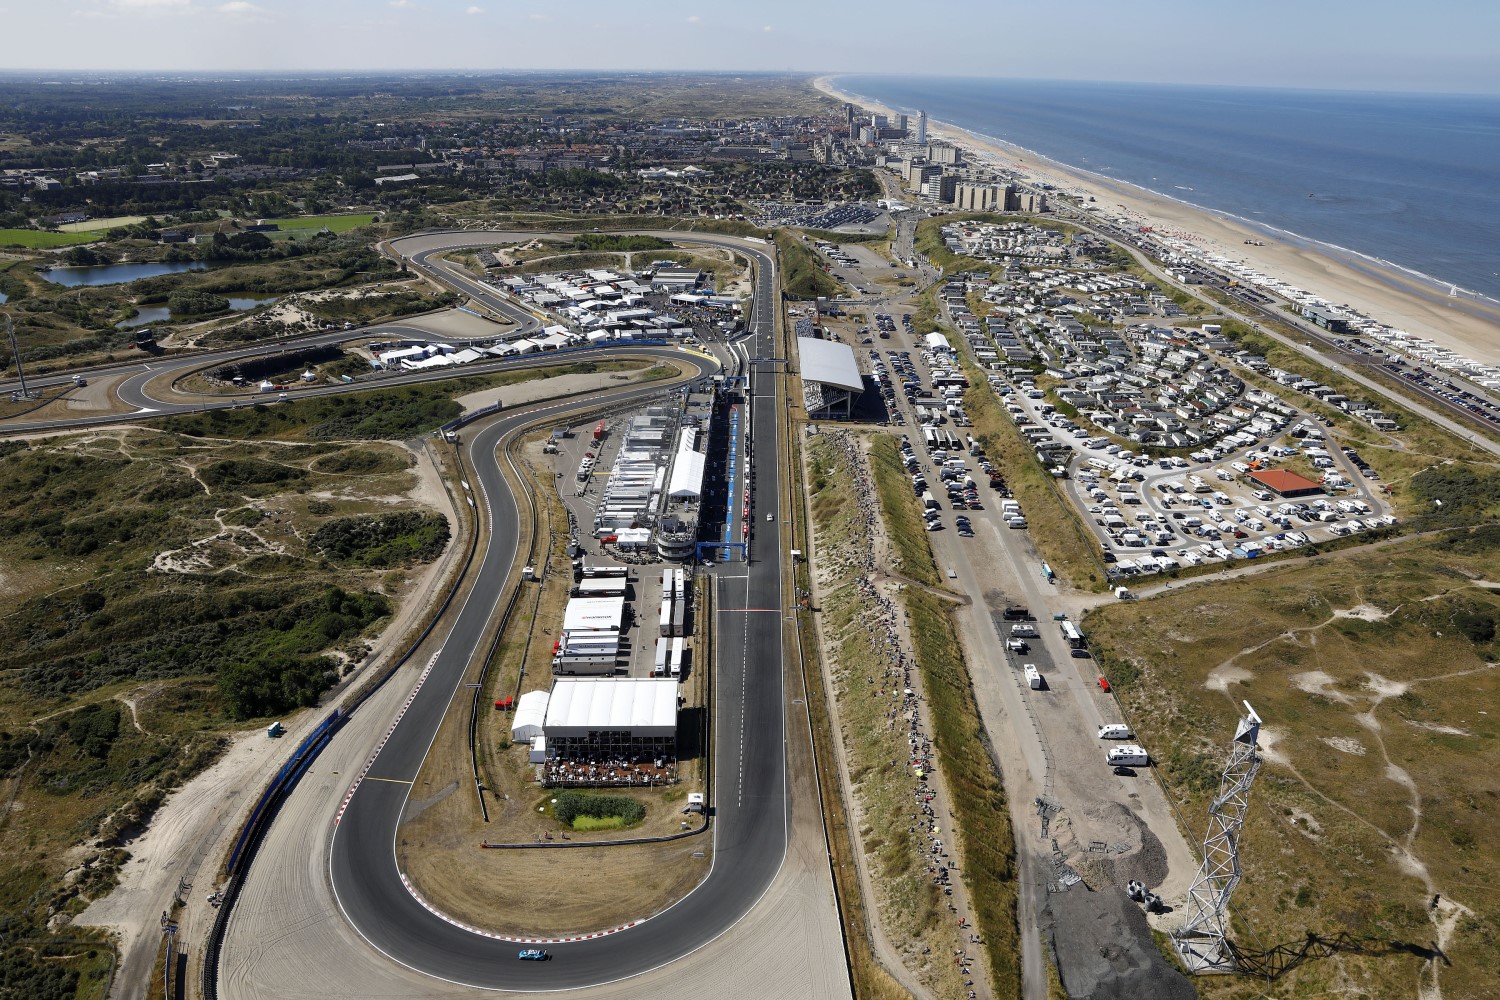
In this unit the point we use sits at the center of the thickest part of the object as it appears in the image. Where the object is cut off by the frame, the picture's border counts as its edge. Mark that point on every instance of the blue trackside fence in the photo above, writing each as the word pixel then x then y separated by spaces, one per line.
pixel 285 778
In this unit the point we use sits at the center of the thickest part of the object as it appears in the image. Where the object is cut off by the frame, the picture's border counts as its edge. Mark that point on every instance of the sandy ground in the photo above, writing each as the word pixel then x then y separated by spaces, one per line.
pixel 453 323
pixel 522 393
pixel 1467 326
pixel 194 828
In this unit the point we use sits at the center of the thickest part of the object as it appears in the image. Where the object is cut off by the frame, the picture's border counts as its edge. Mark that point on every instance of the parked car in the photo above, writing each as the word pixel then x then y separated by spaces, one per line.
pixel 1104 685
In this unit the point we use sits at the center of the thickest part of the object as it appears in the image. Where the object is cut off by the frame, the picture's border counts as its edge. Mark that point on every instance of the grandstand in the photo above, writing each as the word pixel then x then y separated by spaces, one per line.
pixel 830 377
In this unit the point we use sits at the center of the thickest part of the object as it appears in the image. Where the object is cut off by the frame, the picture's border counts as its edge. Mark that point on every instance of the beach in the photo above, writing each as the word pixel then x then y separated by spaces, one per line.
pixel 1466 326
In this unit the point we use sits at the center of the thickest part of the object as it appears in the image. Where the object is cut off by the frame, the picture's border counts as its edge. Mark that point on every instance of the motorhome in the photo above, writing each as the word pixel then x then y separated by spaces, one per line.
pixel 1129 755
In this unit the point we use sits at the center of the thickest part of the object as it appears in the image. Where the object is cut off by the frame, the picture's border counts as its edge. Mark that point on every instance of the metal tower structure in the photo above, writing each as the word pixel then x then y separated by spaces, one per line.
pixel 1201 942
pixel 15 351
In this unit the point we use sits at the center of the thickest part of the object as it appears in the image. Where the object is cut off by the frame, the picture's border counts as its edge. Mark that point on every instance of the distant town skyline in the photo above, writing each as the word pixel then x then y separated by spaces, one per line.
pixel 1335 44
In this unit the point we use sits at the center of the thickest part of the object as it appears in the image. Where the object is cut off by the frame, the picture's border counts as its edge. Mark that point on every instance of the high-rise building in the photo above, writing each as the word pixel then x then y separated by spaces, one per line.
pixel 921 128
pixel 878 121
pixel 848 114
pixel 901 124
pixel 866 133
pixel 942 153
pixel 982 196
pixel 941 188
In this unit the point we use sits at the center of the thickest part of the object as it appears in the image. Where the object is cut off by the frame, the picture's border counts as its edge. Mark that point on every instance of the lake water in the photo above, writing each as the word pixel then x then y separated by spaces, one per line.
pixel 116 274
pixel 147 315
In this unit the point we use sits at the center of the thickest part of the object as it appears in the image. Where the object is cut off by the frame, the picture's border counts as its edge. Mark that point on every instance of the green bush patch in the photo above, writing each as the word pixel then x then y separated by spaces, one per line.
pixel 384 539
pixel 591 808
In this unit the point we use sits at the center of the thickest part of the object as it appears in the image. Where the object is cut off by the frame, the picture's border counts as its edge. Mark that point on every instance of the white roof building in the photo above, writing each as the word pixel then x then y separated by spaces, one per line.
pixel 594 614
pixel 531 714
pixel 829 374
pixel 643 707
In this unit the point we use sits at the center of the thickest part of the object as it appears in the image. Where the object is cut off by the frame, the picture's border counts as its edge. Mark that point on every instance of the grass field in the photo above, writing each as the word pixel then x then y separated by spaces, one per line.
pixel 903 521
pixel 317 223
pixel 908 904
pixel 36 239
pixel 1375 673
pixel 160 588
pixel 802 273
pixel 95 225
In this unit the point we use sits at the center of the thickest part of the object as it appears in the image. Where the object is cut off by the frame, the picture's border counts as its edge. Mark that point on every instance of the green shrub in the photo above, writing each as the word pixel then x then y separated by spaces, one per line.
pixel 194 303
pixel 572 805
pixel 383 539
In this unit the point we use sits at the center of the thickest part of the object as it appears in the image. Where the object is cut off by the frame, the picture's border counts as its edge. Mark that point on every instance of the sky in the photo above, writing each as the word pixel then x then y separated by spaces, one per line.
pixel 1443 45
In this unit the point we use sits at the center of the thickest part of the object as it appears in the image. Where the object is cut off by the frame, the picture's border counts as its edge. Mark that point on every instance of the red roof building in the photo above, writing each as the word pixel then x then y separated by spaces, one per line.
pixel 1285 484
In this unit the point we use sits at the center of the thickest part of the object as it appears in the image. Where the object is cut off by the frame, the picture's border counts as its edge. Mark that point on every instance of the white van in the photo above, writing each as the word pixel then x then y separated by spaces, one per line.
pixel 1023 631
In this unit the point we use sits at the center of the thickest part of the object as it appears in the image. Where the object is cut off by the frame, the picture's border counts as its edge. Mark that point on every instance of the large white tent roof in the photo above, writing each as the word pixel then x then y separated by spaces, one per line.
pixel 531 714
pixel 639 705
pixel 829 363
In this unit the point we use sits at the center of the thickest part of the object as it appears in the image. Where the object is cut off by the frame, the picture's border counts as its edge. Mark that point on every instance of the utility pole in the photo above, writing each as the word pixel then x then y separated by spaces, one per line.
pixel 10 332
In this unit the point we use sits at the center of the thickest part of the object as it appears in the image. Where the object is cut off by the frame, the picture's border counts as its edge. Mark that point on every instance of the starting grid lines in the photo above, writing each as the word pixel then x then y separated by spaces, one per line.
pixel 505 937
pixel 381 745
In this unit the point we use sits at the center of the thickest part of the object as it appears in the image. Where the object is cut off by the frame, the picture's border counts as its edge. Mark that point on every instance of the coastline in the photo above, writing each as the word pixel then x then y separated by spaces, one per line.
pixel 1466 326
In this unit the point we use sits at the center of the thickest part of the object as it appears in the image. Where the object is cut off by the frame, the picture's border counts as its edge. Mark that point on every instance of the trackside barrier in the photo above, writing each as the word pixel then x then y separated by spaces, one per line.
pixel 250 836
pixel 282 782
pixel 469 418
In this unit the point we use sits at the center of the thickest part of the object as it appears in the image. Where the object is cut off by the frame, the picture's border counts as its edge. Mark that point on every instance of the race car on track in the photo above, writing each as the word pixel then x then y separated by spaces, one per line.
pixel 533 955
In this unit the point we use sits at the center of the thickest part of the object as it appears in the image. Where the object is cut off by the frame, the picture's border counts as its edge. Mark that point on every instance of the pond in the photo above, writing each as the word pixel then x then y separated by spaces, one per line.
pixel 147 315
pixel 116 274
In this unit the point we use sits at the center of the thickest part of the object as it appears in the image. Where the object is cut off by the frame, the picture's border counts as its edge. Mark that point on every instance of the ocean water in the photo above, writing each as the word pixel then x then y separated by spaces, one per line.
pixel 1407 180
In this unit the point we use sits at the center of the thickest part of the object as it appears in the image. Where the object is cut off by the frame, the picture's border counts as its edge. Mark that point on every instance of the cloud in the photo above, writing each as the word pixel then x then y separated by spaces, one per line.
pixel 400 3
pixel 241 8
pixel 149 6
pixel 474 10
pixel 538 17
pixel 695 19
pixel 768 29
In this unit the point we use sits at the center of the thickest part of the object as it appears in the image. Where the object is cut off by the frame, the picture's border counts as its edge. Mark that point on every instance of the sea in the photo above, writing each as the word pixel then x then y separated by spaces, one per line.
pixel 1405 181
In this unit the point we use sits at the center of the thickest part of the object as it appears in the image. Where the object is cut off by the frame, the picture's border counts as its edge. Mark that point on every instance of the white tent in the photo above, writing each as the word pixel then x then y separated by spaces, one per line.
pixel 531 712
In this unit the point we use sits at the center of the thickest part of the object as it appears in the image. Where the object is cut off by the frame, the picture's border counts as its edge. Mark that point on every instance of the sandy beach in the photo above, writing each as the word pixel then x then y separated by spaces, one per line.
pixel 1466 326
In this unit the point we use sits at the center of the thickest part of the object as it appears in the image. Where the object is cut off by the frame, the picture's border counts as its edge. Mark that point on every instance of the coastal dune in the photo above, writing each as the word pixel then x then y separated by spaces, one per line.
pixel 1467 326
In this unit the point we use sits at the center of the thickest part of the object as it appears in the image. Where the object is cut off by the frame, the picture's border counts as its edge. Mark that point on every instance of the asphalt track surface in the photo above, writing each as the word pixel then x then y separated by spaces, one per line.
pixel 750 795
